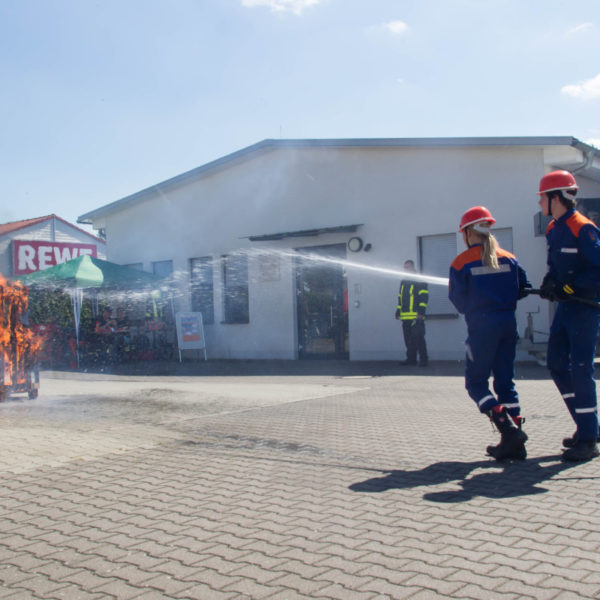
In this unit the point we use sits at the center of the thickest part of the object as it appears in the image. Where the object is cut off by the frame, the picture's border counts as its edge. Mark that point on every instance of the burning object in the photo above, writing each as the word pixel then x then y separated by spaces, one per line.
pixel 19 345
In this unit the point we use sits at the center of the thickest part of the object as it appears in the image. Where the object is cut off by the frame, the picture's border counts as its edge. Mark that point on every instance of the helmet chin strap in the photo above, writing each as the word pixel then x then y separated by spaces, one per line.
pixel 465 232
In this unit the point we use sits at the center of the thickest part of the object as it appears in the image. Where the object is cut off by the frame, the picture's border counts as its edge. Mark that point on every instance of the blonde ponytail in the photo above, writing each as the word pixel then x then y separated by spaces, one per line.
pixel 489 255
pixel 489 252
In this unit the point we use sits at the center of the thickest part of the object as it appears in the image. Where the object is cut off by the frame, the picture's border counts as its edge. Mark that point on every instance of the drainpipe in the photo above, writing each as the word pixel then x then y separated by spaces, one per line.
pixel 588 154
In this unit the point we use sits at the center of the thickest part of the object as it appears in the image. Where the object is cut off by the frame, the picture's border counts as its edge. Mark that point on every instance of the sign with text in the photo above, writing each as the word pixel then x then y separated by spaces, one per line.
pixel 190 332
pixel 30 256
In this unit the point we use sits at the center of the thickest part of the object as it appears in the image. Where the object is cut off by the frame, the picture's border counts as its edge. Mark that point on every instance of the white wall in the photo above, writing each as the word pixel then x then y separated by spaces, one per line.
pixel 398 194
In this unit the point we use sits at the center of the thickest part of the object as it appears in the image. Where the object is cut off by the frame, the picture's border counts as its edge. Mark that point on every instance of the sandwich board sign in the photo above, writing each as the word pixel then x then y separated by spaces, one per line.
pixel 190 332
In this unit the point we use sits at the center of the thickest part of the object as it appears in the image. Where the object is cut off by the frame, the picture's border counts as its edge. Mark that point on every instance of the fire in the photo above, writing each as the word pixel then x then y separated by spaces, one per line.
pixel 19 345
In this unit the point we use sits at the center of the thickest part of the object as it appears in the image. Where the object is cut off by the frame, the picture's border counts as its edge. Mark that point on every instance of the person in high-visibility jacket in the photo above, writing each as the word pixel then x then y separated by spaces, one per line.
pixel 573 272
pixel 412 304
pixel 485 284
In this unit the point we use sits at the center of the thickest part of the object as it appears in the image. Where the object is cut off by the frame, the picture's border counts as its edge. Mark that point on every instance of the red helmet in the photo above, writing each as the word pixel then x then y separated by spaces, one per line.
pixel 475 215
pixel 557 180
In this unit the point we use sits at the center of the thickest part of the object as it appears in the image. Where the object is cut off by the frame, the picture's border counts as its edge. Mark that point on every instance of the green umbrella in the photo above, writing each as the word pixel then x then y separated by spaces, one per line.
pixel 87 272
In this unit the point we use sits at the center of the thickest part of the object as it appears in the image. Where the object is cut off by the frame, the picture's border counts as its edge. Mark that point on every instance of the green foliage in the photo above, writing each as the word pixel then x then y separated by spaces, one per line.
pixel 54 306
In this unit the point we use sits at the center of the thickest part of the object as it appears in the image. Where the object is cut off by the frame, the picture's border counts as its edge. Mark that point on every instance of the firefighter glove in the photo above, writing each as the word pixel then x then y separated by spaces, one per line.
pixel 552 290
pixel 549 288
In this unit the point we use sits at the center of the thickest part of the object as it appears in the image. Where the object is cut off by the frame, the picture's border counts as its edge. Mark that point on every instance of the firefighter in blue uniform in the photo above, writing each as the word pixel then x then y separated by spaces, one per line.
pixel 412 304
pixel 485 284
pixel 574 272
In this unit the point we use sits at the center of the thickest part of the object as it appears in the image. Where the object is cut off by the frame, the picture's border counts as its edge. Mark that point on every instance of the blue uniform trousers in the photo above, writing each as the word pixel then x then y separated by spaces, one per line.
pixel 491 349
pixel 571 351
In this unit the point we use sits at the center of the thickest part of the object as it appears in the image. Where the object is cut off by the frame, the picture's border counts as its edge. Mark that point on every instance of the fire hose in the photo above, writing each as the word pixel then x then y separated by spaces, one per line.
pixel 579 299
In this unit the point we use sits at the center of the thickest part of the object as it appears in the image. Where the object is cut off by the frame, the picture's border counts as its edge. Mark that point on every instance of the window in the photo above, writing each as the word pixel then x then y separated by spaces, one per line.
pixel 504 237
pixel 540 224
pixel 235 289
pixel 201 280
pixel 162 268
pixel 437 252
pixel 590 207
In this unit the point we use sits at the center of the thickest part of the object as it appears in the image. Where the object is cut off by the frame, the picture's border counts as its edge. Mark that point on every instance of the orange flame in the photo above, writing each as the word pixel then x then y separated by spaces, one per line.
pixel 19 345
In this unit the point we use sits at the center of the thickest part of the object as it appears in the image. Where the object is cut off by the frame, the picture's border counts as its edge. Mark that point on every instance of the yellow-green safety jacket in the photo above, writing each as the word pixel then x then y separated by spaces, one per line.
pixel 412 299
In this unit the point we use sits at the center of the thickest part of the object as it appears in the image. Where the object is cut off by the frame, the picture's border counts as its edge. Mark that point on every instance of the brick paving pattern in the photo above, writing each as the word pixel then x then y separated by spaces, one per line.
pixel 324 487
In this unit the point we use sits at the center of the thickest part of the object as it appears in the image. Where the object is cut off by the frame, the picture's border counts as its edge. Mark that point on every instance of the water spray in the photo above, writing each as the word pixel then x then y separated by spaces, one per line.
pixel 316 258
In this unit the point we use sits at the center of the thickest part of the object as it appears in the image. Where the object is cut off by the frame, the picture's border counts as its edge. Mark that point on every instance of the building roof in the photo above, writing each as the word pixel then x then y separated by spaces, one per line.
pixel 6 228
pixel 592 157
pixel 15 225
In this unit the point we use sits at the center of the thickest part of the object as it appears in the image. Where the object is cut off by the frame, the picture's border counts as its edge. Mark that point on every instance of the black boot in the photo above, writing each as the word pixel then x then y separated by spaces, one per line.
pixel 581 450
pixel 512 438
pixel 569 442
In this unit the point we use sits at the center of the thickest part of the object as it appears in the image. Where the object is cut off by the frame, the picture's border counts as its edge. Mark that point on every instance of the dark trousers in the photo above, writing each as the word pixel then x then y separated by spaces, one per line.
pixel 571 351
pixel 414 338
pixel 491 348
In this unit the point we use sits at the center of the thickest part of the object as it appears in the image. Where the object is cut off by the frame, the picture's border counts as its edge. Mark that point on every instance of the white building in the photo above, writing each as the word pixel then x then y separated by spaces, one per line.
pixel 234 232
pixel 36 244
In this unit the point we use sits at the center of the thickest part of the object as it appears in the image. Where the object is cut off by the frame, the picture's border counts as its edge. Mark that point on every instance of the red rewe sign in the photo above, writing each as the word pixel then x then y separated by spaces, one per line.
pixel 29 256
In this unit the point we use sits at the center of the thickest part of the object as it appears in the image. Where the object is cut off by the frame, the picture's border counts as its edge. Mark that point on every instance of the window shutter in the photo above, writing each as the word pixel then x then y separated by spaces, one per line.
pixel 437 252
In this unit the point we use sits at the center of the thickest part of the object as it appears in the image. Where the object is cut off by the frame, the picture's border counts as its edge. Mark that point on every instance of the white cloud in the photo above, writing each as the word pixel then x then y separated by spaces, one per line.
pixel 579 29
pixel 395 27
pixel 294 6
pixel 593 142
pixel 584 90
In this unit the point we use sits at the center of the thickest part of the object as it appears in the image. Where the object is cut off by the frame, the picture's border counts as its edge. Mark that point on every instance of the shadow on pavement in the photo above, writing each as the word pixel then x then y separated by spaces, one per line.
pixel 518 478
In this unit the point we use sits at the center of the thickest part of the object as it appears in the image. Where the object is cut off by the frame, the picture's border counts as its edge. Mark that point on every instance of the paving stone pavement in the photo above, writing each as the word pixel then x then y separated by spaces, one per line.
pixel 299 486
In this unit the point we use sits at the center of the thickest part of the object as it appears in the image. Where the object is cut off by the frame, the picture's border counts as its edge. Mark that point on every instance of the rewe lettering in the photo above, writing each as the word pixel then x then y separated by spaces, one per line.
pixel 30 256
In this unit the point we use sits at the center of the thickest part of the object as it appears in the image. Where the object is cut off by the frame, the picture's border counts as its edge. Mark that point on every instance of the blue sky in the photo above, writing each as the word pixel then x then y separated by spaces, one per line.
pixel 102 98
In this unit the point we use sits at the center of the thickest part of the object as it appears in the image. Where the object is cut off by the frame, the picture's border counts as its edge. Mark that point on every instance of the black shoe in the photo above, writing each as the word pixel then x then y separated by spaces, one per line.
pixel 582 450
pixel 511 446
pixel 519 452
pixel 408 363
pixel 512 437
pixel 571 441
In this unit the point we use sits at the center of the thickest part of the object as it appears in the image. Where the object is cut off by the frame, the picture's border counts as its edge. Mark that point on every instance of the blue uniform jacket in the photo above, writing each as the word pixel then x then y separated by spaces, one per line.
pixel 480 292
pixel 574 253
